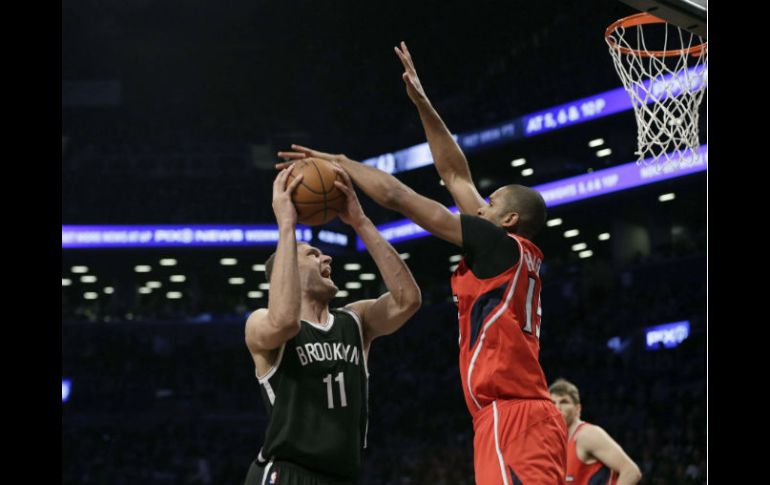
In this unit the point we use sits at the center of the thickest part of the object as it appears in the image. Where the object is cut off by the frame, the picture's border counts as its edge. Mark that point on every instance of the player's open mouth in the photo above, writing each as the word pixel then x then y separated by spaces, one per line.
pixel 326 272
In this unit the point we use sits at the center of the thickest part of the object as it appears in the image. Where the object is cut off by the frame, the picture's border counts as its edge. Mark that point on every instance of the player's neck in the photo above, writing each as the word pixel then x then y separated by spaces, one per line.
pixel 314 311
pixel 573 427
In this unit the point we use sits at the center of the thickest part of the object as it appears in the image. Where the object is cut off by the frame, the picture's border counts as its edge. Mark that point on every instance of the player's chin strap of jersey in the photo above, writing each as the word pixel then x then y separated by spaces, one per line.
pixel 261 459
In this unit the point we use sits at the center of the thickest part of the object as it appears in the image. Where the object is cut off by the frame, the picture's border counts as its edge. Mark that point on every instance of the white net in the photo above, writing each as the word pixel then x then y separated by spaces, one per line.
pixel 665 71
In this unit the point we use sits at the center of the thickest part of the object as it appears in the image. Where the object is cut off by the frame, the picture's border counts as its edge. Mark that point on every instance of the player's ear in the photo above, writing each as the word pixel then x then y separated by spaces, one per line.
pixel 510 220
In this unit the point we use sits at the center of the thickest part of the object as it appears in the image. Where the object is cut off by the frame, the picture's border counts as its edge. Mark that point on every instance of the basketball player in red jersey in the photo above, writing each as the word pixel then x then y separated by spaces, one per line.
pixel 593 457
pixel 519 435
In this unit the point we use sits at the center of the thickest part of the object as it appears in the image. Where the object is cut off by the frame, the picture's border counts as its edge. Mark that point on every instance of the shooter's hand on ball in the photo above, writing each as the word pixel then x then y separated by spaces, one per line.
pixel 301 152
pixel 353 214
pixel 285 212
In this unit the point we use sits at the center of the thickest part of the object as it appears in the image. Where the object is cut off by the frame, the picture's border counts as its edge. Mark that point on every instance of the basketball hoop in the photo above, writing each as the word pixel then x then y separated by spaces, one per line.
pixel 664 69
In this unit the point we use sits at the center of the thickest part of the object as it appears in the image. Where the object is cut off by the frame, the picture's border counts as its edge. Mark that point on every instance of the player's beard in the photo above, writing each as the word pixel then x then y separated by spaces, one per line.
pixel 322 288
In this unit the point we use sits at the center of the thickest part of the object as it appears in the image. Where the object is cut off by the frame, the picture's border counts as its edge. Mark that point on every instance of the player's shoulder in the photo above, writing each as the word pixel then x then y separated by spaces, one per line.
pixel 356 309
pixel 590 434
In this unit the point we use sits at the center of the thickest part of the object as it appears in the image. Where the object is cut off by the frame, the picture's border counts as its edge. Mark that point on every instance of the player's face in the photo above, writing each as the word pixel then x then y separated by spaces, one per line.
pixel 567 407
pixel 315 271
pixel 494 211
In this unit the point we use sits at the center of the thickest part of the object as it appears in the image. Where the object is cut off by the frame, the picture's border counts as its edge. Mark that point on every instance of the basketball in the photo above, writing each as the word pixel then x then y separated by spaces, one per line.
pixel 316 198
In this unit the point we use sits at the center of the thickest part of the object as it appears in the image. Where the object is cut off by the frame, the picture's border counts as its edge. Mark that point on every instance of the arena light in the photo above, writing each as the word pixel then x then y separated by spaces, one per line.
pixel 79 269
pixel 168 262
pixel 604 152
pixel 667 197
pixel 367 276
pixel 153 284
pixel 571 233
pixel 88 279
pixel 597 142
pixel 66 282
pixel 585 254
pixel 236 280
pixel 604 236
pixel 404 256
pixel 453 268
pixel 258 267
pixel 518 162
pixel 527 172
pixel 264 286
pixel 579 246
pixel 145 291
pixel 455 258
pixel 341 294
pixel 353 285
pixel 174 295
pixel 142 268
pixel 90 295
pixel 228 261
pixel 108 290
pixel 255 294
pixel 352 267
pixel 177 278
pixel 553 222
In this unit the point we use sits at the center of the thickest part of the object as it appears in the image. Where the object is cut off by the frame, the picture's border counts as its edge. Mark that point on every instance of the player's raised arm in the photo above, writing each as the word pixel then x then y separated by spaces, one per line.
pixel 391 193
pixel 267 329
pixel 386 314
pixel 447 155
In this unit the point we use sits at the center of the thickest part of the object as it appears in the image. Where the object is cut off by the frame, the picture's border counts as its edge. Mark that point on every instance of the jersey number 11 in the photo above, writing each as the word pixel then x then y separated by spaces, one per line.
pixel 329 394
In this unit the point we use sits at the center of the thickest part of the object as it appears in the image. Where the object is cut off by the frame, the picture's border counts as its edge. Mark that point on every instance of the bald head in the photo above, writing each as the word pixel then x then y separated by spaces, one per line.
pixel 530 206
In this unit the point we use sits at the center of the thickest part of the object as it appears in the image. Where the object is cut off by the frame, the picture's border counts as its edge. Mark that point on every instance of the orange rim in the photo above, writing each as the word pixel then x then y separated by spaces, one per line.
pixel 646 19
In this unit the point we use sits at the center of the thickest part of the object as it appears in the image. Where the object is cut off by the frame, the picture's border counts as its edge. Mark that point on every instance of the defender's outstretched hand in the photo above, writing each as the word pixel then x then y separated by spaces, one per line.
pixel 413 86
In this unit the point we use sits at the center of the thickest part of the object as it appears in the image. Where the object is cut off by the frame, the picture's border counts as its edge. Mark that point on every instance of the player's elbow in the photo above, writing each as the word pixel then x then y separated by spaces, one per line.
pixel 632 473
pixel 408 299
pixel 287 326
pixel 413 301
pixel 395 196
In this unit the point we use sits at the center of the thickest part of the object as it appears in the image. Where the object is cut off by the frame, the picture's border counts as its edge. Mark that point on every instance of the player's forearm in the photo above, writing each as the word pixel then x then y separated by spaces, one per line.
pixel 284 294
pixel 395 273
pixel 382 187
pixel 447 155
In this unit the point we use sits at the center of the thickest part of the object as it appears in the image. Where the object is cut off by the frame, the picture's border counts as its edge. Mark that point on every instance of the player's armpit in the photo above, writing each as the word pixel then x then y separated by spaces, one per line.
pixel 465 194
pixel 262 333
pixel 382 316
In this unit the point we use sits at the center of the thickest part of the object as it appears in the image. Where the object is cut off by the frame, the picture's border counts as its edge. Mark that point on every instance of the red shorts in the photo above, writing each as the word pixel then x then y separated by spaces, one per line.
pixel 520 442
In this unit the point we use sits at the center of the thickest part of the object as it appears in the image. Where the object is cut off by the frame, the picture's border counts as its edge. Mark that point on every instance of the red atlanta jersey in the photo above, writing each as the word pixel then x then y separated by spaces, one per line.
pixel 500 330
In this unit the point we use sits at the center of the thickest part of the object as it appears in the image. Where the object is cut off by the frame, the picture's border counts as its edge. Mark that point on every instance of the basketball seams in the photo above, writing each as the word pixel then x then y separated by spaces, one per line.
pixel 319 201
pixel 316 203
pixel 323 185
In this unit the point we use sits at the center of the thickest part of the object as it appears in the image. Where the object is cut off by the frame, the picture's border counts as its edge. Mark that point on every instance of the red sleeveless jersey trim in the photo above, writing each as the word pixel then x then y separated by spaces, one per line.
pixel 499 320
pixel 580 473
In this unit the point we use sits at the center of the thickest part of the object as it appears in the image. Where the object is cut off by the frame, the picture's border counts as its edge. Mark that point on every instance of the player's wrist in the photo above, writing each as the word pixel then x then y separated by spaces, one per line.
pixel 287 224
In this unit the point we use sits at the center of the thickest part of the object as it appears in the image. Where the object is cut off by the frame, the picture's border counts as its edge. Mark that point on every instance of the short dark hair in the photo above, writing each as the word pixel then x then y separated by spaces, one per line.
pixel 564 387
pixel 530 206
pixel 271 261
